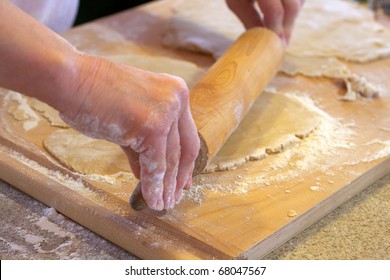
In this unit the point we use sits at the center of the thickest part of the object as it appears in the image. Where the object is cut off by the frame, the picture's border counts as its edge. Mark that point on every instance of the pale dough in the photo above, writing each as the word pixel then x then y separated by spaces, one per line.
pixel 202 26
pixel 275 122
pixel 114 46
pixel 339 28
pixel 86 155
pixel 333 68
pixel 161 64
pixel 324 31
pixel 332 28
pixel 20 110
pixel 49 113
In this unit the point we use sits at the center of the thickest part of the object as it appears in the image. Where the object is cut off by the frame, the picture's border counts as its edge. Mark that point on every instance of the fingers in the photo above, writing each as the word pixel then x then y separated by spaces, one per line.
pixel 291 8
pixel 164 159
pixel 165 172
pixel 172 160
pixel 273 12
pixel 279 16
pixel 246 12
pixel 189 143
pixel 158 169
pixel 153 168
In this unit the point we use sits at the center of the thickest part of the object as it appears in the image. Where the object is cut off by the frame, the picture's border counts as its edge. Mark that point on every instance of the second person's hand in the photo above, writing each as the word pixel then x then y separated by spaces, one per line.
pixel 277 15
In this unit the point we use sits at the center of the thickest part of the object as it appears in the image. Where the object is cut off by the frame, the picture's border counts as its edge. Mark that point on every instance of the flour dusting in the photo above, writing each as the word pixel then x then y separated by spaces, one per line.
pixel 22 112
pixel 383 152
pixel 306 156
pixel 47 225
pixel 57 176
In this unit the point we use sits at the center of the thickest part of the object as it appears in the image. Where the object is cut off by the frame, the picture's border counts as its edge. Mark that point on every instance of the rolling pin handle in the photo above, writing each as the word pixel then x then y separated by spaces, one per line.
pixel 137 201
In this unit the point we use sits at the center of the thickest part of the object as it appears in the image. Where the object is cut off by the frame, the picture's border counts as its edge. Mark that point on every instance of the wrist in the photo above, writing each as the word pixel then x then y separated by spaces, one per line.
pixel 75 76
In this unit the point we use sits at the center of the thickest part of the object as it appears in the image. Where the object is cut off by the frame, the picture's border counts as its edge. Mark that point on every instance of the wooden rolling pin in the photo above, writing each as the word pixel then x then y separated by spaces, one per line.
pixel 223 96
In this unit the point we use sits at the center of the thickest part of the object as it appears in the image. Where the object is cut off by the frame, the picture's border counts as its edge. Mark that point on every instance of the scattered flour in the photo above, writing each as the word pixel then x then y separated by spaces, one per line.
pixel 57 176
pixel 112 179
pixel 315 188
pixel 328 139
pixel 51 213
pixel 45 224
pixel 292 213
pixel 23 111
pixel 382 153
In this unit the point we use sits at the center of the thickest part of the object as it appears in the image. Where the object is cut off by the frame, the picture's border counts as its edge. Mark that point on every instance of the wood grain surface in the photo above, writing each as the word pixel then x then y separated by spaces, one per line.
pixel 236 215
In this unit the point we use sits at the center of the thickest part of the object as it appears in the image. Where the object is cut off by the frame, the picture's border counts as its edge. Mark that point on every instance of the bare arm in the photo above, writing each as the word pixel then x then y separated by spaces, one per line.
pixel 146 113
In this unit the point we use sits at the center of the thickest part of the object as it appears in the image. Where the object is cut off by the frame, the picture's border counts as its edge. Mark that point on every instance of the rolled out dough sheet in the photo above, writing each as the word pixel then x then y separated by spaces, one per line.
pixel 326 33
pixel 275 122
pixel 332 28
pixel 86 155
pixel 330 67
pixel 160 64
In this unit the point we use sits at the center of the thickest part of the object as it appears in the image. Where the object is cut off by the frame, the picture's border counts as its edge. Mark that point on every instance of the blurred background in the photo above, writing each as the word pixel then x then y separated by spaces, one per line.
pixel 93 9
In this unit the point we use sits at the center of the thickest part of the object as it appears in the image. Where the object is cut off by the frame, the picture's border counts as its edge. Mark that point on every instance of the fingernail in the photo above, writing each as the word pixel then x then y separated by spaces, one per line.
pixel 283 37
pixel 171 202
pixel 159 205
pixel 189 184
pixel 179 195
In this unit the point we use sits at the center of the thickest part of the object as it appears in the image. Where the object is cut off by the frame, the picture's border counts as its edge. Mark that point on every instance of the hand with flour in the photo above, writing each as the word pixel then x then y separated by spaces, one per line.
pixel 147 114
pixel 277 15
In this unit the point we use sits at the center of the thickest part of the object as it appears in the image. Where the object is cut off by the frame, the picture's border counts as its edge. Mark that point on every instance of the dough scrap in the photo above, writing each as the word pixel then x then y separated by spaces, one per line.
pixel 324 31
pixel 49 113
pixel 275 122
pixel 161 64
pixel 86 155
pixel 19 109
pixel 333 68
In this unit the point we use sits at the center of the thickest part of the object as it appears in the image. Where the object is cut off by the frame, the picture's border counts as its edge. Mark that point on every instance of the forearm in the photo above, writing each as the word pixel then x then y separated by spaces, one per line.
pixel 33 59
pixel 146 113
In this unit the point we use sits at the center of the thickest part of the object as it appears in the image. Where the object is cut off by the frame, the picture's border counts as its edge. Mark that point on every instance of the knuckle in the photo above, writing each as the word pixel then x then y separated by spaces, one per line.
pixel 182 93
pixel 194 154
pixel 173 157
pixel 278 12
pixel 178 88
pixel 194 151
pixel 294 7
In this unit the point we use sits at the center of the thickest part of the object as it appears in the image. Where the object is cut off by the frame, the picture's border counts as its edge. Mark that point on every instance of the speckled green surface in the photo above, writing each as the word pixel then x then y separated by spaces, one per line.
pixel 359 229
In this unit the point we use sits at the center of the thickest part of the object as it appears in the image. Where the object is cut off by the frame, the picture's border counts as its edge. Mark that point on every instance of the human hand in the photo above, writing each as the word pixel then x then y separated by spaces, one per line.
pixel 277 15
pixel 147 114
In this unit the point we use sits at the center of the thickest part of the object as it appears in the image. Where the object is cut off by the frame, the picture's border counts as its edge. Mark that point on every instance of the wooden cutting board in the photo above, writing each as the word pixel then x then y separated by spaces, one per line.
pixel 235 216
